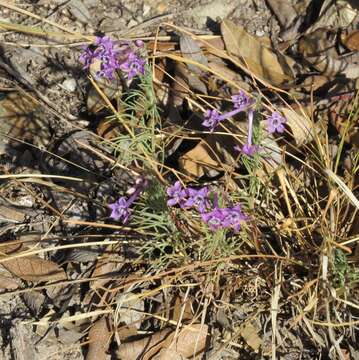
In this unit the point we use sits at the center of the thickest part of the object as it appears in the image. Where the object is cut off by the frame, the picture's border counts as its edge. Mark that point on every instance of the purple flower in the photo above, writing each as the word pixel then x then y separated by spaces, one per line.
pixel 221 218
pixel 177 194
pixel 214 219
pixel 211 119
pixel 113 57
pixel 249 150
pixel 87 57
pixel 275 123
pixel 121 207
pixel 120 210
pixel 106 53
pixel 233 217
pixel 241 101
pixel 198 199
pixel 133 65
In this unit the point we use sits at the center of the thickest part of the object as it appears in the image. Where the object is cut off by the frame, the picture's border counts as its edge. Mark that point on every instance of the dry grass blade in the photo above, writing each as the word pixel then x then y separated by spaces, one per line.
pixel 343 187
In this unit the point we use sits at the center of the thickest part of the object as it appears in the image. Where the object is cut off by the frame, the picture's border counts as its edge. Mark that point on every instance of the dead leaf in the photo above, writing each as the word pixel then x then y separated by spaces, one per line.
pixel 228 74
pixel 33 301
pixel 250 334
pixel 262 61
pixel 300 125
pixel 318 49
pixel 199 161
pixel 351 41
pixel 33 268
pixel 20 117
pixel 284 10
pixel 132 350
pixel 181 310
pixel 8 283
pixel 132 309
pixel 191 50
pixel 334 15
pixel 11 214
pixel 108 129
pixel 190 341
pixel 99 337
pixel 314 82
pixel 95 102
pixel 105 270
pixel 166 354
pixel 343 116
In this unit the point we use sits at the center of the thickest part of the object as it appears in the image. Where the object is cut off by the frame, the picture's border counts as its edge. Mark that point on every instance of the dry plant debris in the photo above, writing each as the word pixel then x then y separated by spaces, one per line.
pixel 201 201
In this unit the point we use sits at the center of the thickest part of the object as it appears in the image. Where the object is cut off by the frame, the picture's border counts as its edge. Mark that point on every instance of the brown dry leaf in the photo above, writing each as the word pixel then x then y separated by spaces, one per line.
pixel 284 10
pixel 178 310
pixel 314 82
pixel 250 334
pixel 95 102
pixel 190 341
pixel 99 337
pixel 301 127
pixel 228 74
pixel 11 214
pixel 166 354
pixel 318 49
pixel 351 41
pixel 261 60
pixel 33 268
pixel 105 269
pixel 199 161
pixel 191 50
pixel 108 129
pixel 134 349
pixel 20 117
pixel 8 283
pixel 334 15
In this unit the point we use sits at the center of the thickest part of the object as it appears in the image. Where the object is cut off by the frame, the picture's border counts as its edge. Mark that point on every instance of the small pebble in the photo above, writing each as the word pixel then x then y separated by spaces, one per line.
pixel 69 85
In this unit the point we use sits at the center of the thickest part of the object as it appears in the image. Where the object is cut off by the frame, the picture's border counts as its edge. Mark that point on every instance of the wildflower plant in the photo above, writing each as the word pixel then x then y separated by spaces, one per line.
pixel 113 56
pixel 199 199
pixel 241 102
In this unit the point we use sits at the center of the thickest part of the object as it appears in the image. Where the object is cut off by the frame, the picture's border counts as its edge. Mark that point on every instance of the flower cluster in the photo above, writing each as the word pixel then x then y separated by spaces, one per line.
pixel 120 209
pixel 214 216
pixel 188 198
pixel 229 217
pixel 113 57
pixel 240 102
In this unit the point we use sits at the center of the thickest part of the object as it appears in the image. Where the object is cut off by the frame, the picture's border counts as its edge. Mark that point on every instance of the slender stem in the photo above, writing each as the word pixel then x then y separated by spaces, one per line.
pixel 250 127
pixel 229 114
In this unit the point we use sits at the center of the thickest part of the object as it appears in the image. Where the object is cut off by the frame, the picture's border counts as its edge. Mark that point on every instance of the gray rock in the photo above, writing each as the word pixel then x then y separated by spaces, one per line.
pixel 69 85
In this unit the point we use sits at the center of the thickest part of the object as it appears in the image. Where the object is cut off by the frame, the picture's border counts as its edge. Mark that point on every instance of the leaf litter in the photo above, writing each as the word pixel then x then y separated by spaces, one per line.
pixel 176 221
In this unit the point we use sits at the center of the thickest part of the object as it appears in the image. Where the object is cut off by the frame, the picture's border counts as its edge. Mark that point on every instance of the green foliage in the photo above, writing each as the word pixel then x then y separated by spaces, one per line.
pixel 220 244
pixel 140 116
pixel 342 271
